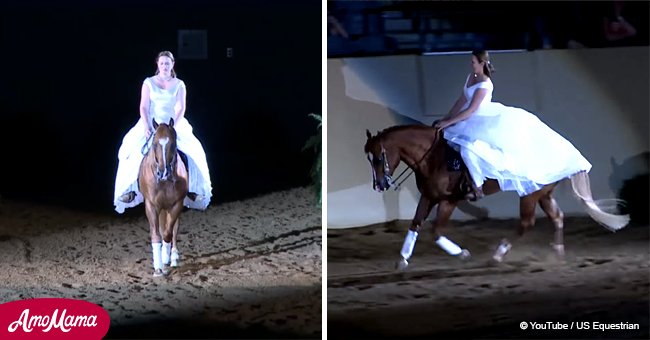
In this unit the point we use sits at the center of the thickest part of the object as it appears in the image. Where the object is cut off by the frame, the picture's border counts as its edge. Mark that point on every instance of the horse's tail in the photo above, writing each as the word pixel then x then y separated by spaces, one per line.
pixel 582 189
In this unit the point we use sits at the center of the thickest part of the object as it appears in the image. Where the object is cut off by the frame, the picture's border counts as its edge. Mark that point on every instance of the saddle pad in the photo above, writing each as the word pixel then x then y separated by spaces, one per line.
pixel 453 159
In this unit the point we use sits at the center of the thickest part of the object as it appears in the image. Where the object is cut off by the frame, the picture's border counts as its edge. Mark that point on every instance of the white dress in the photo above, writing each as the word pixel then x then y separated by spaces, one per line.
pixel 512 146
pixel 162 102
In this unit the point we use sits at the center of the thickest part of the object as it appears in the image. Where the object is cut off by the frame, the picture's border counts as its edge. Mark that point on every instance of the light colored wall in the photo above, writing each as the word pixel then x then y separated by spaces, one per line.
pixel 596 98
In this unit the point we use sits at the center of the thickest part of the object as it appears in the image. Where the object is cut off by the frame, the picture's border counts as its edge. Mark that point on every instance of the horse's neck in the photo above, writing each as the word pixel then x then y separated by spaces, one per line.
pixel 415 146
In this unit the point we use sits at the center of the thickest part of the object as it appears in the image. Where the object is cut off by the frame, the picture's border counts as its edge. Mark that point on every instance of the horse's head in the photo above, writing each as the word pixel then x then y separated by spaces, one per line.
pixel 164 150
pixel 383 160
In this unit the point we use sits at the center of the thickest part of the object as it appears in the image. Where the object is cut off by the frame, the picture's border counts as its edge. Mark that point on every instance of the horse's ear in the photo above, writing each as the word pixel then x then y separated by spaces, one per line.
pixel 171 122
pixel 368 134
pixel 154 124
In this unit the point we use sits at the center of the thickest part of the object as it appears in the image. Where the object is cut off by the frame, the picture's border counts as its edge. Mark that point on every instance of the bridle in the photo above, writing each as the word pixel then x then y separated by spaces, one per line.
pixel 168 173
pixel 384 159
pixel 387 168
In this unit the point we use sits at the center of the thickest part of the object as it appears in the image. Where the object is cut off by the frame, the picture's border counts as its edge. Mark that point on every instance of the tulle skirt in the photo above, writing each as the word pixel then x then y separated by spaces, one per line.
pixel 515 148
pixel 130 156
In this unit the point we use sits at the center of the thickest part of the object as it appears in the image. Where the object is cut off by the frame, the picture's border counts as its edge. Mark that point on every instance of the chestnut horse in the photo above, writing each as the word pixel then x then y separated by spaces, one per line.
pixel 422 148
pixel 164 185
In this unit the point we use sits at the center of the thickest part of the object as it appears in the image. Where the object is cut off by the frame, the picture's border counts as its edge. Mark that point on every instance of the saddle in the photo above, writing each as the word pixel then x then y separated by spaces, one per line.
pixel 458 172
pixel 183 157
pixel 130 196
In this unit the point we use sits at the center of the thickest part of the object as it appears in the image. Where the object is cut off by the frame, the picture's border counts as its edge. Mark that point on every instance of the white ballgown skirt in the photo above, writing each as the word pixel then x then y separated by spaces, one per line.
pixel 515 148
pixel 130 157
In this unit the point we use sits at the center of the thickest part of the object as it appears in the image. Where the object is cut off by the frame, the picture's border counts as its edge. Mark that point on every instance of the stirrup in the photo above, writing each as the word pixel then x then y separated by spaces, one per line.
pixel 128 197
pixel 192 196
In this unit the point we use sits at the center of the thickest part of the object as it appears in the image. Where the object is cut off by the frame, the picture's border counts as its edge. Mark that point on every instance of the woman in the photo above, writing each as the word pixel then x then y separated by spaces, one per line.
pixel 508 144
pixel 163 96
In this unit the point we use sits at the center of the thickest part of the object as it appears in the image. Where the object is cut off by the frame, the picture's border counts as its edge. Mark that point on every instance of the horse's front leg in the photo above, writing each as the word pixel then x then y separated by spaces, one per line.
pixel 422 211
pixel 152 216
pixel 445 209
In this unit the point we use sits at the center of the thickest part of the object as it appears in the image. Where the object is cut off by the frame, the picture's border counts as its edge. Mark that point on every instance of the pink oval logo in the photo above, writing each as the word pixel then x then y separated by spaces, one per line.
pixel 52 318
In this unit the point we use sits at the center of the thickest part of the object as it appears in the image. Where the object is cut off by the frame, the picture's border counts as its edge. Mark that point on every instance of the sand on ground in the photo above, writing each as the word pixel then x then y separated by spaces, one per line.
pixel 604 277
pixel 248 269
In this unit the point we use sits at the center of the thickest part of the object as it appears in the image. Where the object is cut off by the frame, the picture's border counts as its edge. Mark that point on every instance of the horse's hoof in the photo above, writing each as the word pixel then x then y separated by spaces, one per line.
pixel 158 273
pixel 464 255
pixel 402 264
pixel 175 257
pixel 503 248
pixel 559 250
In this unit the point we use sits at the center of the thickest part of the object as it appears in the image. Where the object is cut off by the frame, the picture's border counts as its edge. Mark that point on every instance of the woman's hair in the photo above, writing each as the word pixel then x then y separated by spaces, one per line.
pixel 483 55
pixel 168 55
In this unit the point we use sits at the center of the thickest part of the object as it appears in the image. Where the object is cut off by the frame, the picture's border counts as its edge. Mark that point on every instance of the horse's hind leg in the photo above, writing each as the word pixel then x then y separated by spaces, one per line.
pixel 174 220
pixel 527 206
pixel 552 210
pixel 175 257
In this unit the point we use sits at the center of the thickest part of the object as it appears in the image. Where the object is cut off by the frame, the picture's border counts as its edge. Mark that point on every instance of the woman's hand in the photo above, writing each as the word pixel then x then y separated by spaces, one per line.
pixel 441 124
pixel 147 131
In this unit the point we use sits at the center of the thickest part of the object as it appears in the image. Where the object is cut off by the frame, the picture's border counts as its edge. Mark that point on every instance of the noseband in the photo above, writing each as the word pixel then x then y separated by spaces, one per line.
pixel 168 174
pixel 387 176
pixel 386 167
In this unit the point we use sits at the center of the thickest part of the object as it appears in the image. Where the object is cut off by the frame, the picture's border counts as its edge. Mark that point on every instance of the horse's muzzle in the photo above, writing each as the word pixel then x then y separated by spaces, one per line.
pixel 163 175
pixel 382 184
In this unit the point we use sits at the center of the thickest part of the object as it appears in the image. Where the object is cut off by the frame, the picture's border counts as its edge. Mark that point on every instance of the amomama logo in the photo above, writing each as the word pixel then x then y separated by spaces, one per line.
pixel 52 318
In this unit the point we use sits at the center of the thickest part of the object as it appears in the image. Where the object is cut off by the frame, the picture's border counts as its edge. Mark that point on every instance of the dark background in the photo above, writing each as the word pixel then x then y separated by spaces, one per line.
pixel 72 74
pixel 391 27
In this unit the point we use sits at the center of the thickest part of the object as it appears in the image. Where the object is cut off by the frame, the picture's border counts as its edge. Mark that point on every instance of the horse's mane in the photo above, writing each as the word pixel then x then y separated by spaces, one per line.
pixel 397 128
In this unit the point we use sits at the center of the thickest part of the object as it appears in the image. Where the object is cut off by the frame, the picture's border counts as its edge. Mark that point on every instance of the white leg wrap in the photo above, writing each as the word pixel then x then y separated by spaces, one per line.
pixel 166 251
pixel 501 251
pixel 409 244
pixel 503 248
pixel 157 263
pixel 447 245
pixel 175 257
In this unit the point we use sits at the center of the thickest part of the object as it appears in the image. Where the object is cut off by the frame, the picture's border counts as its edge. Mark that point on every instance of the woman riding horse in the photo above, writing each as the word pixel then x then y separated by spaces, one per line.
pixel 163 100
pixel 508 144
pixel 163 97
pixel 503 148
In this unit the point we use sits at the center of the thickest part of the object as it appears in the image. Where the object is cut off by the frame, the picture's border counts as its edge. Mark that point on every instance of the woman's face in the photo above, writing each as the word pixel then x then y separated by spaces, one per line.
pixel 165 66
pixel 477 67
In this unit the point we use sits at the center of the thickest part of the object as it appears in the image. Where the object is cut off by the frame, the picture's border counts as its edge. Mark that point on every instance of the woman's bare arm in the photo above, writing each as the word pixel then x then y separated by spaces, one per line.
pixel 179 108
pixel 144 108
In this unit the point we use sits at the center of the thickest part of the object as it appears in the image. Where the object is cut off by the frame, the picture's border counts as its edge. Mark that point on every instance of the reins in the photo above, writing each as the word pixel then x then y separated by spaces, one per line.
pixel 143 151
pixel 416 163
